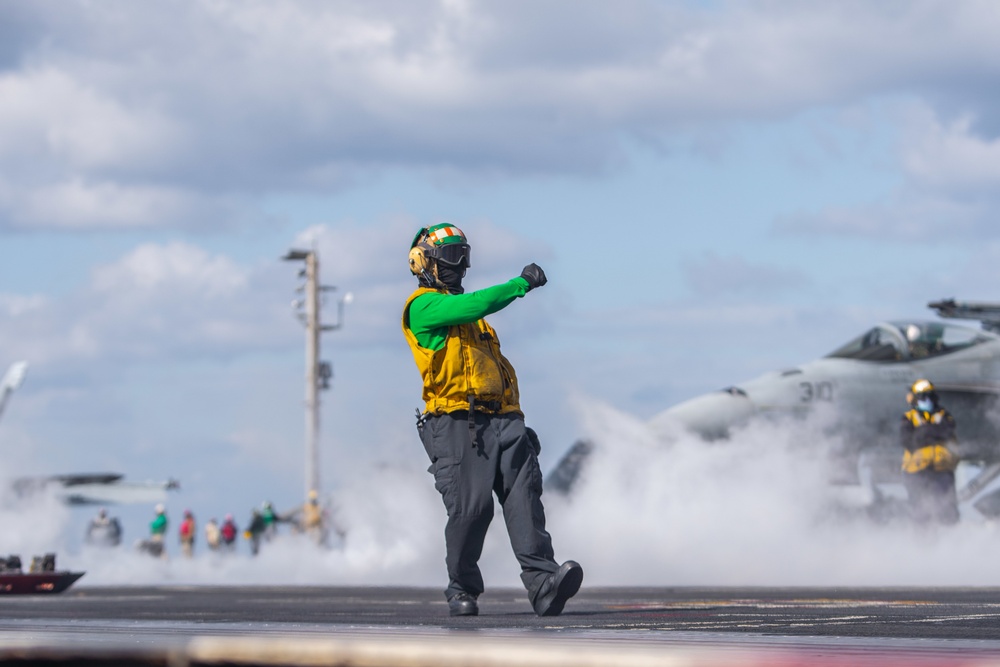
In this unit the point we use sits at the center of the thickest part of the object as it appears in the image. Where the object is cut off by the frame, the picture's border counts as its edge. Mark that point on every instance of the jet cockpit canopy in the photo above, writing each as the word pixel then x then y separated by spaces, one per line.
pixel 907 341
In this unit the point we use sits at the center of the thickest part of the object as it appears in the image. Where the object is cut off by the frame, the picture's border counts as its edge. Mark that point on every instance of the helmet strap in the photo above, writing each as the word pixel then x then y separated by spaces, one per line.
pixel 432 275
pixel 428 275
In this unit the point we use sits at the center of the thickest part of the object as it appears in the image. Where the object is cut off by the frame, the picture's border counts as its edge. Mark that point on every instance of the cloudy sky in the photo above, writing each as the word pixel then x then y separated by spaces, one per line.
pixel 715 189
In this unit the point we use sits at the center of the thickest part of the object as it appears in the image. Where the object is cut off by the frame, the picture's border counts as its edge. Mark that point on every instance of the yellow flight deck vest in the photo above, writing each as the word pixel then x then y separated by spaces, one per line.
pixel 469 364
pixel 312 516
pixel 936 456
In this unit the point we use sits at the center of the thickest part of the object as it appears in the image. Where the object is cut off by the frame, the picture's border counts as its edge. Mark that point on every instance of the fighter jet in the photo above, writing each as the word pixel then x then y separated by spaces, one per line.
pixel 80 488
pixel 866 379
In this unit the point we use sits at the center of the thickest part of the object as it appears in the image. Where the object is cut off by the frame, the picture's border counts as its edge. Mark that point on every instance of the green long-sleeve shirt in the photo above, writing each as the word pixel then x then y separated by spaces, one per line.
pixel 431 314
pixel 159 525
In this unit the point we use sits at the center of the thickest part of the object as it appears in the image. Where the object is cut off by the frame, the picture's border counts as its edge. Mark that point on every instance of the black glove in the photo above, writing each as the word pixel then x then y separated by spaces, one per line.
pixel 534 275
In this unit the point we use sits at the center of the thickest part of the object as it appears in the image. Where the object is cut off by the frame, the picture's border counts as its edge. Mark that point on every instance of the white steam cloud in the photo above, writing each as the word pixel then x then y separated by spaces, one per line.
pixel 756 510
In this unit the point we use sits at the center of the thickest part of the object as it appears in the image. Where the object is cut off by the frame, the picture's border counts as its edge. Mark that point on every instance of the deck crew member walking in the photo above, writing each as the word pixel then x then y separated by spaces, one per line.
pixel 472 426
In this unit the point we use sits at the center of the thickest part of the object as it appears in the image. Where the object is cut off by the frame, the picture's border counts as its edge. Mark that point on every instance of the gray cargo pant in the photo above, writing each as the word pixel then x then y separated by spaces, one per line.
pixel 502 460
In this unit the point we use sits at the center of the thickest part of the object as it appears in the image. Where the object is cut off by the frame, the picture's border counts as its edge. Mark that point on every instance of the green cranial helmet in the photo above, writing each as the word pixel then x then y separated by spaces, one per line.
pixel 443 243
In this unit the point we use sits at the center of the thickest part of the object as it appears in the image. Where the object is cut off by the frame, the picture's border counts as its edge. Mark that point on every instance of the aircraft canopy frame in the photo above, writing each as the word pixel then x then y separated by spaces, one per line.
pixel 902 341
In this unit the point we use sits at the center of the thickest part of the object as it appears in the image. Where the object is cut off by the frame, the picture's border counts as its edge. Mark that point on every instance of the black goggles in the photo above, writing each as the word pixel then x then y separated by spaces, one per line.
pixel 453 254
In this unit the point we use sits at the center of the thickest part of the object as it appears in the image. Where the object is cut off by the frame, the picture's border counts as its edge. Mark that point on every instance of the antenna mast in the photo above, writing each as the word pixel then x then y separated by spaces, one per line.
pixel 318 373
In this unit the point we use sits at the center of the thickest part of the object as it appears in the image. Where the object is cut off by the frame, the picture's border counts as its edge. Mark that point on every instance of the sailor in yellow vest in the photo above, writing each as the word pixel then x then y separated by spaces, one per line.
pixel 929 457
pixel 311 522
pixel 472 426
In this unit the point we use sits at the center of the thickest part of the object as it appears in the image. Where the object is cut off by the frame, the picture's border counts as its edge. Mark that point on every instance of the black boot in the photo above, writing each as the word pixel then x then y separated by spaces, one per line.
pixel 557 588
pixel 463 604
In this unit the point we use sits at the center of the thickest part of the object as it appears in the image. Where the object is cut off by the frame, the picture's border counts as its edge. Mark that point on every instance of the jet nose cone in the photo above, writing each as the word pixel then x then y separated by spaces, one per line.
pixel 710 415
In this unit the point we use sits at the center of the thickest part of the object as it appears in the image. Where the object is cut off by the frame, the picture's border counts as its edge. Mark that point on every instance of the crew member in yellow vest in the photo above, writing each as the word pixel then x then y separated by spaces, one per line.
pixel 311 522
pixel 929 457
pixel 472 427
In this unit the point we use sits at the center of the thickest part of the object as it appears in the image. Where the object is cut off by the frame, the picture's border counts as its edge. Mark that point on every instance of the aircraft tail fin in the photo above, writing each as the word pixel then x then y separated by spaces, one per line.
pixel 12 379
pixel 988 314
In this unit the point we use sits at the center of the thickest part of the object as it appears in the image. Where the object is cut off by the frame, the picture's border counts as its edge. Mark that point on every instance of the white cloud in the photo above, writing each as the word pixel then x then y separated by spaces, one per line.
pixel 50 116
pixel 175 267
pixel 950 173
pixel 156 302
pixel 949 157
pixel 193 100
pixel 81 205
pixel 14 305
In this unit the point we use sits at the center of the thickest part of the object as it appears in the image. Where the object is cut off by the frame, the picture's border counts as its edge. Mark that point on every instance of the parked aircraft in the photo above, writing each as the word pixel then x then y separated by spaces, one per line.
pixel 867 380
pixel 80 488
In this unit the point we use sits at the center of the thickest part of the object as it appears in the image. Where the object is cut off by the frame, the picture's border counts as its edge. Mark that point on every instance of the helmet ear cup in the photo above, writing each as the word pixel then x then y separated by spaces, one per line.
pixel 418 261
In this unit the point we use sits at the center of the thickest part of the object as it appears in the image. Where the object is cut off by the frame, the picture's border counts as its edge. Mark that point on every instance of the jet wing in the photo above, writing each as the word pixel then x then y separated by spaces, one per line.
pixel 96 489
pixel 118 493
pixel 988 313
pixel 94 478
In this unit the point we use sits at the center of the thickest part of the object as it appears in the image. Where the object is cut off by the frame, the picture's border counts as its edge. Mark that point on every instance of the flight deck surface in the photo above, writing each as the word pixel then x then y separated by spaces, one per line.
pixel 411 626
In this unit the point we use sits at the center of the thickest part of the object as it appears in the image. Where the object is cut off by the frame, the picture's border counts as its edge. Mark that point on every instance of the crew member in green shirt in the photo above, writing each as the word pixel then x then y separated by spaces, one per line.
pixel 472 426
pixel 158 526
pixel 156 545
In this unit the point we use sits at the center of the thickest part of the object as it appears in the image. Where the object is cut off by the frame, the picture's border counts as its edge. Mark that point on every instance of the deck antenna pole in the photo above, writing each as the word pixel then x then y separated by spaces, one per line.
pixel 318 373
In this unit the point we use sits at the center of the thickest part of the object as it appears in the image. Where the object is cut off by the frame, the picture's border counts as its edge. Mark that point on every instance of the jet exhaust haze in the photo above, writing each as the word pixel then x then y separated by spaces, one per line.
pixel 755 510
